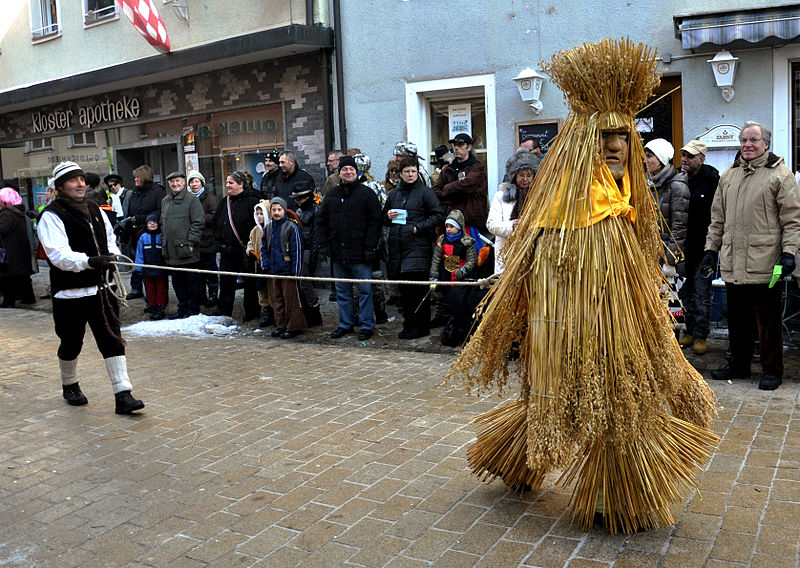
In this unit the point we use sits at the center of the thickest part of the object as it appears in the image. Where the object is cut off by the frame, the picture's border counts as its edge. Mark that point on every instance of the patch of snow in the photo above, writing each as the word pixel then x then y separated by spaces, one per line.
pixel 200 325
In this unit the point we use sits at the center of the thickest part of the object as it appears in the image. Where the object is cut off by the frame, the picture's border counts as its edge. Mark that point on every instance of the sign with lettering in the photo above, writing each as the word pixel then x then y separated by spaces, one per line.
pixel 87 116
pixel 721 136
pixel 460 119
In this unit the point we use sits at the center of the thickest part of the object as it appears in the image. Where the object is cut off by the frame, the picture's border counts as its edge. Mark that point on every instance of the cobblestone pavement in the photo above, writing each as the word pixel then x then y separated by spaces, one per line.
pixel 254 451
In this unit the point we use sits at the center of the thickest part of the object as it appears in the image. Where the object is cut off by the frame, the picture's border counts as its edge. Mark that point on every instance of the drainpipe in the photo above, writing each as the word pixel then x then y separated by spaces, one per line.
pixel 325 55
pixel 337 34
pixel 309 12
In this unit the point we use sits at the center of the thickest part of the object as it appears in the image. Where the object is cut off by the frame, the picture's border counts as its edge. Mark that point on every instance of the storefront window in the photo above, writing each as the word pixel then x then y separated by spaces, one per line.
pixel 795 116
pixel 449 114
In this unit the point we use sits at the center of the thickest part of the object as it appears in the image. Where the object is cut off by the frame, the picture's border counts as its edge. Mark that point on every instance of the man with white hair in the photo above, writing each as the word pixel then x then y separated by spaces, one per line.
pixel 80 246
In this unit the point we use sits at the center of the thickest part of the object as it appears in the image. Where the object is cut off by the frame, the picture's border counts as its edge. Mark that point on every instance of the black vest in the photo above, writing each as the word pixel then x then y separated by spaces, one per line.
pixel 79 235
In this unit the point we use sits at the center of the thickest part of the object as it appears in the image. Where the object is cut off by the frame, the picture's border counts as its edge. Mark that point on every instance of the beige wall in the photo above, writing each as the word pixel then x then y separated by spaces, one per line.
pixel 80 49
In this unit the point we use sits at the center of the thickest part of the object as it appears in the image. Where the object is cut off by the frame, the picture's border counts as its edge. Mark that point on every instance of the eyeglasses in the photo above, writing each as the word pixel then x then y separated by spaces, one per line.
pixel 751 140
pixel 394 171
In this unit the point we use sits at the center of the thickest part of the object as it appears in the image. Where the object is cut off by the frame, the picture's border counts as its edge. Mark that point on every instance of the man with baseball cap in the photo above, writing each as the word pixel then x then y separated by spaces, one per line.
pixel 695 294
pixel 80 246
pixel 463 185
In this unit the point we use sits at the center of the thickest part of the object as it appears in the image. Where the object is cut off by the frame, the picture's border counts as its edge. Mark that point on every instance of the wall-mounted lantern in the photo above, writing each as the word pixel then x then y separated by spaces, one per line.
pixel 529 83
pixel 724 66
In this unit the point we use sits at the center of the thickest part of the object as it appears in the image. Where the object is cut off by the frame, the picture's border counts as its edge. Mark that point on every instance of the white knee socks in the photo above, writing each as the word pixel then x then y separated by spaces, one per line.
pixel 117 368
pixel 68 371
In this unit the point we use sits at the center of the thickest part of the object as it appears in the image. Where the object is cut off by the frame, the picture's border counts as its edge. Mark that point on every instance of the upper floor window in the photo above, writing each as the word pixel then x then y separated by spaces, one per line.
pixel 44 19
pixel 98 11
pixel 82 139
pixel 39 144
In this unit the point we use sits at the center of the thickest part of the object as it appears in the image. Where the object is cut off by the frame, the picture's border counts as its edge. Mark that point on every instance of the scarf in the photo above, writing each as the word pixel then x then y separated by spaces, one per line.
pixel 81 206
pixel 453 238
pixel 520 201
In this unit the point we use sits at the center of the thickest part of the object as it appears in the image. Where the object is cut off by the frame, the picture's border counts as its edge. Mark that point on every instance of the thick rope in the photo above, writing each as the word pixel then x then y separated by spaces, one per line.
pixel 483 282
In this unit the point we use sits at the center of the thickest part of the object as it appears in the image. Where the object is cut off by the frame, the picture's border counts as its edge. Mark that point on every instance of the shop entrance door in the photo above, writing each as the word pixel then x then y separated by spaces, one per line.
pixel 664 117
pixel 162 154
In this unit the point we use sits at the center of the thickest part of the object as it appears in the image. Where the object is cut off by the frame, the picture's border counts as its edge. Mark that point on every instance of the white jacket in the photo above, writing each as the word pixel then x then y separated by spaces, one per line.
pixel 500 225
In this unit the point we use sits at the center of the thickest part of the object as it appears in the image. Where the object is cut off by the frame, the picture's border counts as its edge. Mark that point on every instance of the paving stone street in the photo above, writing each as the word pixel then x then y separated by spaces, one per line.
pixel 254 451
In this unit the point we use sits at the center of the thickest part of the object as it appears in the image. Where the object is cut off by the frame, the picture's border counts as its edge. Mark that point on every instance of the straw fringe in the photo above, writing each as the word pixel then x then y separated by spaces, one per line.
pixel 599 365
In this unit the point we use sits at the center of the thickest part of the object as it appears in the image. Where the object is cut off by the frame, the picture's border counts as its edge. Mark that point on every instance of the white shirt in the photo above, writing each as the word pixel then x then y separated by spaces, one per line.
pixel 53 236
pixel 116 202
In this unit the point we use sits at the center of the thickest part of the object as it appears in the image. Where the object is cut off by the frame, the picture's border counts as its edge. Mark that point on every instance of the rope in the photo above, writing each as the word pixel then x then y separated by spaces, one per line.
pixel 482 282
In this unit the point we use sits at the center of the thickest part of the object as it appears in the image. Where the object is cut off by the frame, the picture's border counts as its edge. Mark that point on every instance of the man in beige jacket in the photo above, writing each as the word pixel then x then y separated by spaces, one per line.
pixel 755 226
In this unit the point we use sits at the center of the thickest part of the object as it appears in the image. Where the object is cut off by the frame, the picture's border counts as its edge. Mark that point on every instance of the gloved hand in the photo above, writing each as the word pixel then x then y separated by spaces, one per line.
pixel 432 279
pixel 32 213
pixel 460 273
pixel 102 262
pixel 708 264
pixel 787 263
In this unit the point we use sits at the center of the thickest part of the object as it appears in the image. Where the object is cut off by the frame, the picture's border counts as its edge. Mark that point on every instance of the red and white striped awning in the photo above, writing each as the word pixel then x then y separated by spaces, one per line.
pixel 144 17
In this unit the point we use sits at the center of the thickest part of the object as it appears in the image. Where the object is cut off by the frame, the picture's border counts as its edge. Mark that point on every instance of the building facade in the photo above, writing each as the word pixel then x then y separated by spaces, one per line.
pixel 420 70
pixel 77 82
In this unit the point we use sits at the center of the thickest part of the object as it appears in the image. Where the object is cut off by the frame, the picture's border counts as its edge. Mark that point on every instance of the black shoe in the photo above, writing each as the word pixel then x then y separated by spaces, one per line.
pixel 437 322
pixel 364 334
pixel 149 309
pixel 179 315
pixel 73 395
pixel 212 300
pixel 126 404
pixel 133 294
pixel 341 332
pixel 415 334
pixel 313 317
pixel 218 313
pixel 381 317
pixel 332 297
pixel 291 334
pixel 267 321
pixel 278 332
pixel 769 383
pixel 157 313
pixel 251 317
pixel 726 374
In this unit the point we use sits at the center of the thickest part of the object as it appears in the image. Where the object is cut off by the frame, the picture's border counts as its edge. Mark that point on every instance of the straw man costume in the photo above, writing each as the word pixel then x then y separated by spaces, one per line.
pixel 607 396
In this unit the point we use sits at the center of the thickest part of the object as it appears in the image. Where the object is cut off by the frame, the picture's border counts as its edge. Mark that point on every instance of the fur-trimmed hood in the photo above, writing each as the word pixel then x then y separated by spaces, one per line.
pixel 520 160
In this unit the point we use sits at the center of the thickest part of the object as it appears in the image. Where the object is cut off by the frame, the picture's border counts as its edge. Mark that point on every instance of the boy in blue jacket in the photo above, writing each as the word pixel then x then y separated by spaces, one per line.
pixel 282 254
pixel 156 283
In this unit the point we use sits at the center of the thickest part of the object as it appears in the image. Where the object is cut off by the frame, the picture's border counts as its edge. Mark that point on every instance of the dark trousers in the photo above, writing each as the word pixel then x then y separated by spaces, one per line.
pixel 71 317
pixel 157 288
pixel 416 312
pixel 17 288
pixel 235 261
pixel 695 295
pixel 187 289
pixel 208 261
pixel 748 305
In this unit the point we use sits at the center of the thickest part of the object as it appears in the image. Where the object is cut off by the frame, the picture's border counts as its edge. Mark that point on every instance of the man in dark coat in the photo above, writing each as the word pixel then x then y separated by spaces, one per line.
pixel 696 292
pixel 463 185
pixel 348 228
pixel 182 223
pixel 291 180
pixel 233 222
pixel 144 200
pixel 271 173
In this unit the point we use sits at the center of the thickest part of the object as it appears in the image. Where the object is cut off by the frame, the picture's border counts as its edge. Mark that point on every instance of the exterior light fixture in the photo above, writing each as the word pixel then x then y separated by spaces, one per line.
pixel 529 83
pixel 724 66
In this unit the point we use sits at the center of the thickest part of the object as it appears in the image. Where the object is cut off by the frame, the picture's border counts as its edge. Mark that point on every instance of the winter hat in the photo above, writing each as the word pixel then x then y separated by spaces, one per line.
pixel 66 171
pixel 302 193
pixel 152 217
pixel 112 178
pixel 363 163
pixel 176 174
pixel 521 160
pixel 662 150
pixel 451 221
pixel 347 161
pixel 273 156
pixel 195 174
pixel 9 196
pixel 280 201
pixel 455 218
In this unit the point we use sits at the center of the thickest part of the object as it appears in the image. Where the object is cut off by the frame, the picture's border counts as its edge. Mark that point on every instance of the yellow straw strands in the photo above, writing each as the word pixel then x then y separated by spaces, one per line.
pixel 607 395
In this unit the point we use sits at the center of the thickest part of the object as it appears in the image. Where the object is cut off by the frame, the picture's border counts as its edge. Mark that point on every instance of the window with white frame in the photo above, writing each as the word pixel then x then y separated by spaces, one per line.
pixel 95 11
pixel 44 19
pixel 39 145
pixel 82 139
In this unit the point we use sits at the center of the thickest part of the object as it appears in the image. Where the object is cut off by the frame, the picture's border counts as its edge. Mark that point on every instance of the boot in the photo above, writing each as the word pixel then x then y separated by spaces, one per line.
pixel 686 340
pixel 269 317
pixel 313 317
pixel 157 313
pixel 700 347
pixel 126 404
pixel 73 395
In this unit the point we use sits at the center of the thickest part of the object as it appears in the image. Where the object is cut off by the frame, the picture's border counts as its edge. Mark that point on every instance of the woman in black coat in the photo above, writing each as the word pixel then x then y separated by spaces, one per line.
pixel 412 212
pixel 15 272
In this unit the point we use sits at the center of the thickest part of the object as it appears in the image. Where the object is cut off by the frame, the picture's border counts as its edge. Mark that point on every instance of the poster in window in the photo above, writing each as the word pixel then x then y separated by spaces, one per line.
pixel 188 139
pixel 542 130
pixel 460 118
pixel 192 161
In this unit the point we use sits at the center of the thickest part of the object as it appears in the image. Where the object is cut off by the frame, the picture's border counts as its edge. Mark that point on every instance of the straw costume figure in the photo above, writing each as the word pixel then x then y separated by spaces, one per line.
pixel 607 397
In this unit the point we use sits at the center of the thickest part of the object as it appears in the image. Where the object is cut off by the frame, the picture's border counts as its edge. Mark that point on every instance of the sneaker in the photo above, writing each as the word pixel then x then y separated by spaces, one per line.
pixel 700 347
pixel 134 294
pixel 769 383
pixel 686 340
pixel 341 332
pixel 364 334
pixel 126 404
pixel 73 395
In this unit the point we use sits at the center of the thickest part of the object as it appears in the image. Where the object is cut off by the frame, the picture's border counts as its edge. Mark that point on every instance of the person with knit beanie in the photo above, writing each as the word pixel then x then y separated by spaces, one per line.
pixel 81 247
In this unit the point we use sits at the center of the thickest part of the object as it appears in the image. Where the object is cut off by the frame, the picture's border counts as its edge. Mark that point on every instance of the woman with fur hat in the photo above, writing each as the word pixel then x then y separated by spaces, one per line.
pixel 509 200
pixel 16 269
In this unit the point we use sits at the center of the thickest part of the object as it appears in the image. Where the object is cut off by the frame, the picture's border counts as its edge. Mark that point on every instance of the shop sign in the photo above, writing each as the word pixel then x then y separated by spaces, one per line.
pixel 721 136
pixel 88 116
pixel 238 127
pixel 460 119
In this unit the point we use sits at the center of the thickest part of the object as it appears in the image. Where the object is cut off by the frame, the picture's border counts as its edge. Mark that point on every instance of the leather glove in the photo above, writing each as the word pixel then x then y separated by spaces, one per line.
pixel 708 264
pixel 102 262
pixel 787 263
pixel 460 274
